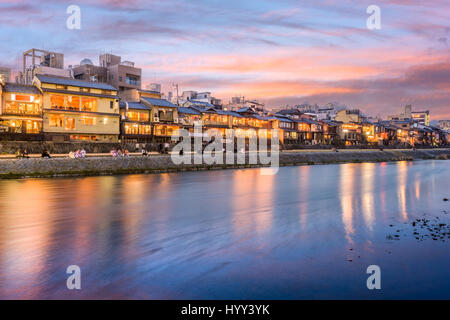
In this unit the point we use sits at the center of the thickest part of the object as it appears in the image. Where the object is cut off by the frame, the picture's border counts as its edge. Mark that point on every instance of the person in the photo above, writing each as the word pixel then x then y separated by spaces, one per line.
pixel 114 153
pixel 45 154
pixel 160 148
pixel 144 152
pixel 18 153
pixel 25 154
pixel 72 155
pixel 166 147
pixel 125 153
pixel 82 153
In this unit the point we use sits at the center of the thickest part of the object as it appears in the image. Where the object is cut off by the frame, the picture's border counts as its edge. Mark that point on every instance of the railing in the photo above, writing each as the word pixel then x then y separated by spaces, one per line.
pixel 166 118
pixel 22 113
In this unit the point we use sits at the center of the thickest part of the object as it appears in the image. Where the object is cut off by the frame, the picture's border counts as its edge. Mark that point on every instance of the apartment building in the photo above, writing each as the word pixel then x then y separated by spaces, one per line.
pixel 122 75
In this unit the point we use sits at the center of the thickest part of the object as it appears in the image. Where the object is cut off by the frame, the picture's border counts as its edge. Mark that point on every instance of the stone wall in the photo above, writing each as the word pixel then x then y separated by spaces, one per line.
pixel 38 167
pixel 11 147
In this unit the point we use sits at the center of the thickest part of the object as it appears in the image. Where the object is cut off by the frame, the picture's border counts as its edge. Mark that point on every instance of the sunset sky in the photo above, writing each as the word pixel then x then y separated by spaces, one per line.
pixel 283 52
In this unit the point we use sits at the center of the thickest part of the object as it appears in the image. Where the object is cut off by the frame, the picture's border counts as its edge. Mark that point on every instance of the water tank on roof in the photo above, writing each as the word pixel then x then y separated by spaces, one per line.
pixel 86 61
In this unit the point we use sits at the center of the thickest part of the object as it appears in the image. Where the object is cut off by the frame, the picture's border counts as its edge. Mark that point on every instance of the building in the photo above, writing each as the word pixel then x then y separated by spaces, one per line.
pixel 163 116
pixel 20 112
pixel 154 87
pixel 404 114
pixel 76 110
pixel 5 73
pixel 347 116
pixel 135 122
pixel 444 125
pixel 43 62
pixel 122 75
pixel 421 117
pixel 350 133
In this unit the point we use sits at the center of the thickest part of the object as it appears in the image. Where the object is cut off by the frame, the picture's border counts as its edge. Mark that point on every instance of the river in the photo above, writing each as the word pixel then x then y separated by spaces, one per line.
pixel 307 232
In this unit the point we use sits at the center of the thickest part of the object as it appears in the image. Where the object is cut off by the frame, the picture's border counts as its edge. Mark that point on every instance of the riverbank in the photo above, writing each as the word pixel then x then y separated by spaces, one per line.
pixel 91 166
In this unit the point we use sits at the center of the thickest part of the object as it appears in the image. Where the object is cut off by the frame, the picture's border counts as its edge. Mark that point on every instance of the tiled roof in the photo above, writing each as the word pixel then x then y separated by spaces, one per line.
pixel 75 82
pixel 283 118
pixel 134 105
pixel 289 111
pixel 202 103
pixel 246 109
pixel 158 102
pixel 13 87
pixel 188 111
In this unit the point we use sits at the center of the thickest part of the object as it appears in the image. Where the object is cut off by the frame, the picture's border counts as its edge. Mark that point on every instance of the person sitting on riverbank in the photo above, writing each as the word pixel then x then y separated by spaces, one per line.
pixel 45 154
pixel 114 153
pixel 166 148
pixel 22 154
pixel 144 152
pixel 125 153
pixel 72 155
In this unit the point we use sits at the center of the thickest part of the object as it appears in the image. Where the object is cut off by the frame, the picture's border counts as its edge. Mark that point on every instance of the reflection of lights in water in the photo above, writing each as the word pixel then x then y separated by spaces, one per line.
pixel 402 172
pixel 347 172
pixel 417 188
pixel 252 201
pixel 26 233
pixel 368 170
pixel 305 184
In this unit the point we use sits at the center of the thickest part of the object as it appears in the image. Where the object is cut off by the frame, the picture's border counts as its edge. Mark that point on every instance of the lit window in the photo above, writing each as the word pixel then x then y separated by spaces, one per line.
pixel 56 120
pixel 70 124
pixel 88 121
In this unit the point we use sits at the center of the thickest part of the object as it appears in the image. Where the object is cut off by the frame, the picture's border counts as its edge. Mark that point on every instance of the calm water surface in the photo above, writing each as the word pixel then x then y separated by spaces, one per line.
pixel 307 232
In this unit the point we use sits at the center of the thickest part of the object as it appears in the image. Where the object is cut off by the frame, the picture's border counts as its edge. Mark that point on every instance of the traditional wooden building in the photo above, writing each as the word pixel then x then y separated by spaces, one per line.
pixel 76 110
pixel 163 117
pixel 350 133
pixel 135 122
pixel 20 112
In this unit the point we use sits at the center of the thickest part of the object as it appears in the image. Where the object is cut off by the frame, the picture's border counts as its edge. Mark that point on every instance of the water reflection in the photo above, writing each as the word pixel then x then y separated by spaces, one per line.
pixel 252 201
pixel 368 179
pixel 347 179
pixel 304 185
pixel 208 234
pixel 402 169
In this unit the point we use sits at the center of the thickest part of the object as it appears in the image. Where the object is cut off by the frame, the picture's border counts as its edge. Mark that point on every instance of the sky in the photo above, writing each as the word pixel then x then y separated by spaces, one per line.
pixel 282 52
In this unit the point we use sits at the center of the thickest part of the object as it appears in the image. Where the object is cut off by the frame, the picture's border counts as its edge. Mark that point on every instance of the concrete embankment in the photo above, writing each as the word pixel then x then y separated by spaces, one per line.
pixel 38 167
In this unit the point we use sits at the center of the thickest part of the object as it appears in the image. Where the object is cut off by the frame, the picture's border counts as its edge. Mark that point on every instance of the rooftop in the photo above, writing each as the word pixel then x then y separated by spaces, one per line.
pixel 21 88
pixel 74 82
pixel 158 102
pixel 134 105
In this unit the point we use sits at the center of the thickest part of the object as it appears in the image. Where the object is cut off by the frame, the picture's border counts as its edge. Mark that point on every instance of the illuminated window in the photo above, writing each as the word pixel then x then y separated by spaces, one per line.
pixel 33 126
pixel 89 104
pixel 88 121
pixel 145 129
pixel 13 107
pixel 57 102
pixel 56 120
pixel 83 137
pixel 131 129
pixel 70 124
pixel 73 103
